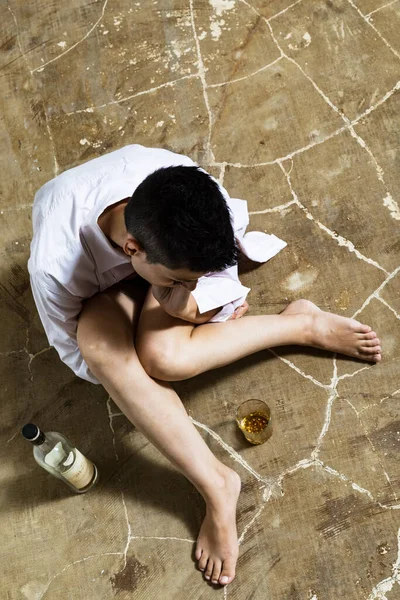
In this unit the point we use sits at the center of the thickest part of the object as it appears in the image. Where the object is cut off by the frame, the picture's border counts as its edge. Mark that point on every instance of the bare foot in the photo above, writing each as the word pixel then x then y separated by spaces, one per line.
pixel 337 334
pixel 217 545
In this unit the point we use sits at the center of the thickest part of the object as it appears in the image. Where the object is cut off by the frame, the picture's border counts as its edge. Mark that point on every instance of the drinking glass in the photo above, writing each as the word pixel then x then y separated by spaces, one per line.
pixel 254 419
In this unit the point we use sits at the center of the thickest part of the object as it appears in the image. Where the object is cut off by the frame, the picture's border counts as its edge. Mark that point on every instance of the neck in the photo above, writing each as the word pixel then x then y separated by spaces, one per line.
pixel 112 223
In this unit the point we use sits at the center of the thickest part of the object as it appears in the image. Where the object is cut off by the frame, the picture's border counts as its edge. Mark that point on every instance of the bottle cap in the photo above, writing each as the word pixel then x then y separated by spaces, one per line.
pixel 32 433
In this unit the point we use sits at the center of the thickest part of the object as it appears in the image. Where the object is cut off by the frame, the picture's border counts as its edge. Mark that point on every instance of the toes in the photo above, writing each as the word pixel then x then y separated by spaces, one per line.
pixel 369 351
pixel 366 329
pixel 203 561
pixel 371 343
pixel 197 554
pixel 362 328
pixel 228 572
pixel 369 336
pixel 216 571
pixel 374 358
pixel 209 569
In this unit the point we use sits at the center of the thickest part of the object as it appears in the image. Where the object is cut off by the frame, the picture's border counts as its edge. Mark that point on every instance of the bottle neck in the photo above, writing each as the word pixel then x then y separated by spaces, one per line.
pixel 41 439
pixel 46 445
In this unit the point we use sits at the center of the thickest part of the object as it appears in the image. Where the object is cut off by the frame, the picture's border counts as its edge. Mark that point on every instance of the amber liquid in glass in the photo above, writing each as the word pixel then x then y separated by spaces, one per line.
pixel 255 422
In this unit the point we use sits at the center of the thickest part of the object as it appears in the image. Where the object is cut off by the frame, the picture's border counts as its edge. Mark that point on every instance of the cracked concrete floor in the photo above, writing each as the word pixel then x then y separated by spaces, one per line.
pixel 295 107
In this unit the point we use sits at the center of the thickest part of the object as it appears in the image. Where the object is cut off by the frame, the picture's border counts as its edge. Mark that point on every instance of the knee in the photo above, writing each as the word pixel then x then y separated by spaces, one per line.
pixel 165 363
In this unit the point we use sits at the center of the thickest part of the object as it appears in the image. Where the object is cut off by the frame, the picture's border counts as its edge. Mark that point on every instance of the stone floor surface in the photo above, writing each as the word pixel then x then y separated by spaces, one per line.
pixel 294 106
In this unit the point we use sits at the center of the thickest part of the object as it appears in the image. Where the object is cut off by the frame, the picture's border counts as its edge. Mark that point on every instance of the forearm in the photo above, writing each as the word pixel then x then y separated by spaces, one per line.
pixel 191 313
pixel 181 304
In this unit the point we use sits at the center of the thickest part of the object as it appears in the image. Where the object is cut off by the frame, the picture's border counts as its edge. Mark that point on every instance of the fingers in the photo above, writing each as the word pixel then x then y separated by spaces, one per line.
pixel 240 311
pixel 243 309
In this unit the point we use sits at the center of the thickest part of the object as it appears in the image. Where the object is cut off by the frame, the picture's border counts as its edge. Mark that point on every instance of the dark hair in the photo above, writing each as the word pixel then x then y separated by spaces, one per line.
pixel 181 219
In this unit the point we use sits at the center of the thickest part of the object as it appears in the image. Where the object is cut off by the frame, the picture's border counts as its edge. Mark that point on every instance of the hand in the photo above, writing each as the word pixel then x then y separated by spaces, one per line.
pixel 239 311
pixel 173 300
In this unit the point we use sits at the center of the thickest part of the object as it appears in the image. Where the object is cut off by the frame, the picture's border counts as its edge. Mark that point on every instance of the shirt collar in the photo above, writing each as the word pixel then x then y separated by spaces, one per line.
pixel 104 254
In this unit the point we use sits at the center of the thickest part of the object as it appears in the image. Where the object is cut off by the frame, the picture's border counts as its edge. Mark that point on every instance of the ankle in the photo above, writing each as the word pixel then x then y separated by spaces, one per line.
pixel 304 329
pixel 225 483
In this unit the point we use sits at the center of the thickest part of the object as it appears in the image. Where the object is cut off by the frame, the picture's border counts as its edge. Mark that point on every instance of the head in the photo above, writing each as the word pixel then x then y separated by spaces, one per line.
pixel 179 227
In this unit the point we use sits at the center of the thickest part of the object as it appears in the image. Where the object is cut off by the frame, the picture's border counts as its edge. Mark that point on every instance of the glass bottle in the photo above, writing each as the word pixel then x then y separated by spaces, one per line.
pixel 55 453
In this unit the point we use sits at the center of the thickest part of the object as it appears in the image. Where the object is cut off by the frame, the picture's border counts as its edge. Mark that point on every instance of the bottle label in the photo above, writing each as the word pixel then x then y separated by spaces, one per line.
pixel 80 474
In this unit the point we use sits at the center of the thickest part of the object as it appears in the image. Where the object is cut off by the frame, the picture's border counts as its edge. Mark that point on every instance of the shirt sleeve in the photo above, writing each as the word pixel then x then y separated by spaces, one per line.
pixel 59 311
pixel 224 289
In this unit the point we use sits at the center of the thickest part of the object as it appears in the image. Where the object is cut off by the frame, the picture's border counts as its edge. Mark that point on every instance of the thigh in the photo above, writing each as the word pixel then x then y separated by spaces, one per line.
pixel 108 321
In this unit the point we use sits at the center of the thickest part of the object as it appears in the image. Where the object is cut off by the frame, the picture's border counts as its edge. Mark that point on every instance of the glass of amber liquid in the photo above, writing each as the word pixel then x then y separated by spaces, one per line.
pixel 254 419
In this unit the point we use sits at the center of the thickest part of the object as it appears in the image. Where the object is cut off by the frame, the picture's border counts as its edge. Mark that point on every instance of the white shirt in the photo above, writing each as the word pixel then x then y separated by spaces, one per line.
pixel 71 258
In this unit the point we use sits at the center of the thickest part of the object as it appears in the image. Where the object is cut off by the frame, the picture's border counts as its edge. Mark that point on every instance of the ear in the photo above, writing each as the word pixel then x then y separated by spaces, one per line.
pixel 131 246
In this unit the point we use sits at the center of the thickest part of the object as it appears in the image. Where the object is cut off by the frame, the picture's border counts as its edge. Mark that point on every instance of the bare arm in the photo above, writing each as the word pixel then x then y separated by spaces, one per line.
pixel 178 302
pixel 192 314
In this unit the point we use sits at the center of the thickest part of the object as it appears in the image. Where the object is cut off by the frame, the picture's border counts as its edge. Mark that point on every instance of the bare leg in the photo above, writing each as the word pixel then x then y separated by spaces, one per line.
pixel 171 349
pixel 105 337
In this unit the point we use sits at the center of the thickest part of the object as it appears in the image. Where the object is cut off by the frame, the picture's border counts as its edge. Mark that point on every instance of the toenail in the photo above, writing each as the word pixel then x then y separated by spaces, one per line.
pixel 224 579
pixel 207 576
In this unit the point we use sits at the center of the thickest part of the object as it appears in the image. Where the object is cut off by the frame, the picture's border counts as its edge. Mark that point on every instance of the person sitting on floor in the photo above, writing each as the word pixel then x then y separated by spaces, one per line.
pixel 133 269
